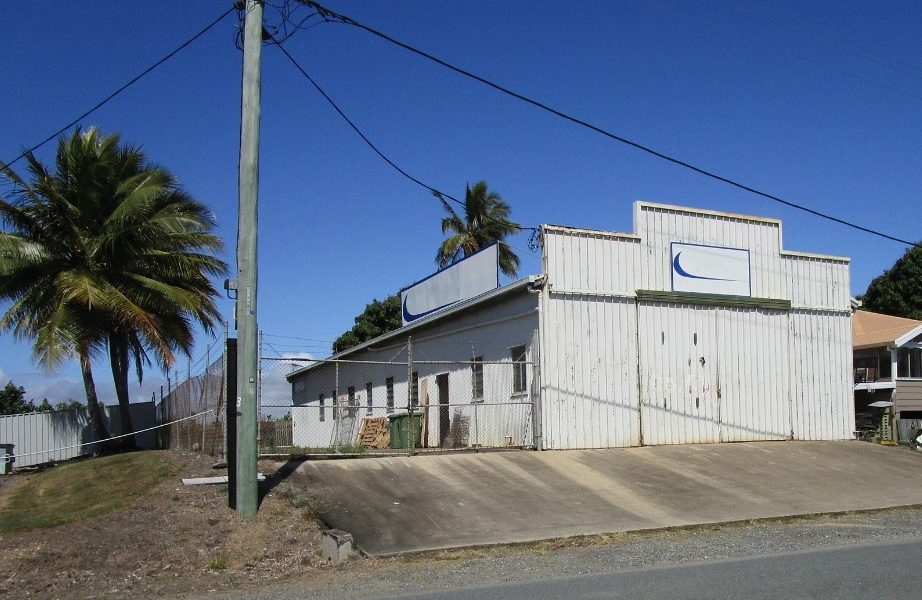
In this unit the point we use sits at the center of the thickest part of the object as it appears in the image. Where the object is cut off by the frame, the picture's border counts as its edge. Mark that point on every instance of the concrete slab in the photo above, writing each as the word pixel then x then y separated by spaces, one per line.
pixel 400 504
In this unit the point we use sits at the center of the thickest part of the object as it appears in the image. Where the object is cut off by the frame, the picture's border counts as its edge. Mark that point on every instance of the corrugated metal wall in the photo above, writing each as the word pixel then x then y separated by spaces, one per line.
pixel 754 375
pixel 618 372
pixel 678 366
pixel 589 389
pixel 817 384
pixel 36 436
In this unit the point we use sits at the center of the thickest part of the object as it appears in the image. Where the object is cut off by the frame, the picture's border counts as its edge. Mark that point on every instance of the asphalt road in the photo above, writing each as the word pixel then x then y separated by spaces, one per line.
pixel 879 570
pixel 858 555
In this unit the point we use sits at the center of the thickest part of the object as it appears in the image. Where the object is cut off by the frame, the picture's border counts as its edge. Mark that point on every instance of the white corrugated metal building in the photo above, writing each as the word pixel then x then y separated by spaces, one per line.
pixel 698 327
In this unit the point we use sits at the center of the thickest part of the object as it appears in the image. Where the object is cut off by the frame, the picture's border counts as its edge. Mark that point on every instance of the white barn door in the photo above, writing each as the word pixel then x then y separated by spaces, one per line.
pixel 678 374
pixel 754 374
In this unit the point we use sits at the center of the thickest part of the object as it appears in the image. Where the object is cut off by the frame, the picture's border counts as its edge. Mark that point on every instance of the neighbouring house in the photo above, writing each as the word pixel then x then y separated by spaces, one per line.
pixel 697 327
pixel 887 374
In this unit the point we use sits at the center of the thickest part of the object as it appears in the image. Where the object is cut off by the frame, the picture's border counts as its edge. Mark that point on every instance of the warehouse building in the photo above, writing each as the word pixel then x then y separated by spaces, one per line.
pixel 697 327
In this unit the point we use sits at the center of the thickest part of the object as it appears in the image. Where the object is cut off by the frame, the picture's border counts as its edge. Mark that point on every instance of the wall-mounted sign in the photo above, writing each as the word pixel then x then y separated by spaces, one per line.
pixel 469 277
pixel 710 269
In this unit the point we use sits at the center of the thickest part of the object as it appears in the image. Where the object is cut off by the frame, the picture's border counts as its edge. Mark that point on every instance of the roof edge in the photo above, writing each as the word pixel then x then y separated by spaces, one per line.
pixel 463 305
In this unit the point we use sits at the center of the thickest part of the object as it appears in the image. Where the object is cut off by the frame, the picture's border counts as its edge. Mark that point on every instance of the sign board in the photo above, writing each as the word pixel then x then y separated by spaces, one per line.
pixel 469 277
pixel 710 269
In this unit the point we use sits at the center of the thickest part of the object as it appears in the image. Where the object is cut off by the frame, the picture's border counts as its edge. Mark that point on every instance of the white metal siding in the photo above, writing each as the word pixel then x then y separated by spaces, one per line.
pixel 822 404
pixel 814 282
pixel 36 437
pixel 659 226
pixel 596 262
pixel 754 395
pixel 589 372
pixel 489 332
pixel 768 374
pixel 678 381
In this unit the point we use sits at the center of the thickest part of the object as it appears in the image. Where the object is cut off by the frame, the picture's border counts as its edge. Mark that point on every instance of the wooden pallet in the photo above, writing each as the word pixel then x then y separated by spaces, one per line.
pixel 375 432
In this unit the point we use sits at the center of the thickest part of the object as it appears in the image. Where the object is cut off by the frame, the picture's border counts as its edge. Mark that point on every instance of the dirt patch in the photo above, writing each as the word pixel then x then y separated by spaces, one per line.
pixel 175 540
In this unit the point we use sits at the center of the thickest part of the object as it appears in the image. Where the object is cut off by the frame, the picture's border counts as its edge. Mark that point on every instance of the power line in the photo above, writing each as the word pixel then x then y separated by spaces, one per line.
pixel 130 82
pixel 436 192
pixel 336 17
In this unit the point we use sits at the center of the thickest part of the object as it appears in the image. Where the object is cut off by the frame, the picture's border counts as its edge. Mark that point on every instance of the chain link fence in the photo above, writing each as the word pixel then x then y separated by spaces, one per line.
pixel 203 397
pixel 350 406
pixel 362 406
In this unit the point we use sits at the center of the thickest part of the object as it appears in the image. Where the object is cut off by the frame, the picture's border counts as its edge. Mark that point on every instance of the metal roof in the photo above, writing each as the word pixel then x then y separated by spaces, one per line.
pixel 484 298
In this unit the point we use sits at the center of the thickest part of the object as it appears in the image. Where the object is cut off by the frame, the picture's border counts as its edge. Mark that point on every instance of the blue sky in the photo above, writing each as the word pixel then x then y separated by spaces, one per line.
pixel 816 103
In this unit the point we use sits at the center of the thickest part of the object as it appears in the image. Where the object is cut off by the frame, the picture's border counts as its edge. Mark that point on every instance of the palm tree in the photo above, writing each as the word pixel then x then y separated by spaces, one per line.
pixel 106 252
pixel 486 221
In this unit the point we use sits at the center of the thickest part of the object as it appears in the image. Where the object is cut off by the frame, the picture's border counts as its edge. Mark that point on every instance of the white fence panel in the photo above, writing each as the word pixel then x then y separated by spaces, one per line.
pixel 37 438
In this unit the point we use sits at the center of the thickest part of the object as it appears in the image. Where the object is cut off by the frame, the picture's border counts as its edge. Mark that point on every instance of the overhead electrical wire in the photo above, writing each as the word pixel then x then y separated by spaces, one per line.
pixel 335 17
pixel 128 84
pixel 436 192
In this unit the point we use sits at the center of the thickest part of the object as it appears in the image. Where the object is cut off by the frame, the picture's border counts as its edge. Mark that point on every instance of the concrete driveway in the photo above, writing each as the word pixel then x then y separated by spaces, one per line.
pixel 400 504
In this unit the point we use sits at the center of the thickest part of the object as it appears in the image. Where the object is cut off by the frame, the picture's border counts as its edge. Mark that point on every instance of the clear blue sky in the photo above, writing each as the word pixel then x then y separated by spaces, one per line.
pixel 773 94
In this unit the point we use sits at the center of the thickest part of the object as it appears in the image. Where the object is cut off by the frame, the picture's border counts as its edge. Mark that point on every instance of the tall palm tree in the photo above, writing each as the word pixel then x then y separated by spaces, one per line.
pixel 106 252
pixel 486 221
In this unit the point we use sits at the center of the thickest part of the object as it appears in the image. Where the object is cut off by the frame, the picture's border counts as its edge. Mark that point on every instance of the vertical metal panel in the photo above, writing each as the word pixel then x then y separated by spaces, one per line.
pixel 591 261
pixel 822 396
pixel 658 226
pixel 817 282
pixel 43 437
pixel 589 372
pixel 678 374
pixel 754 375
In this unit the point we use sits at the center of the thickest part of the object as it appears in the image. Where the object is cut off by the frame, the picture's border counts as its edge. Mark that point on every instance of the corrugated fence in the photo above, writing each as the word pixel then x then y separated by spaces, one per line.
pixel 42 437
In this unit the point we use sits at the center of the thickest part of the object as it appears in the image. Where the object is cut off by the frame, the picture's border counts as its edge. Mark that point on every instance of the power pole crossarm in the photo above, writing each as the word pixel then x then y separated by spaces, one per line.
pixel 247 346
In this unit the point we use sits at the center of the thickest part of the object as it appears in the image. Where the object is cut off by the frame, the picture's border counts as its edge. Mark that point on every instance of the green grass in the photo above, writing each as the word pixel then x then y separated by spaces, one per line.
pixel 82 489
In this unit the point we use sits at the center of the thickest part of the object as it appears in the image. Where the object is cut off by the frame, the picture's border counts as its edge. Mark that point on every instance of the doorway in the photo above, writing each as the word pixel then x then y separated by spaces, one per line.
pixel 441 381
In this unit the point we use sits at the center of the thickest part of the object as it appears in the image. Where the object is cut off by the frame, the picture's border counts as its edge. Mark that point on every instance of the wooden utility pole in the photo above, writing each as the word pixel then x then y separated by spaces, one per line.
pixel 247 347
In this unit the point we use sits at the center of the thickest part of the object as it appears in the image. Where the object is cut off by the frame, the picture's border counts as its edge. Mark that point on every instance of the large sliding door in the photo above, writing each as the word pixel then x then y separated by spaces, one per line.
pixel 678 374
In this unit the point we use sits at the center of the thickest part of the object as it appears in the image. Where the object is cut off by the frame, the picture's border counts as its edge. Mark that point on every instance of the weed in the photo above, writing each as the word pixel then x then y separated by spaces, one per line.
pixel 218 563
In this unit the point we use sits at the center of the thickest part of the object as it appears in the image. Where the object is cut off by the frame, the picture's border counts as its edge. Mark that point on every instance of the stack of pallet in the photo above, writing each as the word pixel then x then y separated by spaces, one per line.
pixel 375 432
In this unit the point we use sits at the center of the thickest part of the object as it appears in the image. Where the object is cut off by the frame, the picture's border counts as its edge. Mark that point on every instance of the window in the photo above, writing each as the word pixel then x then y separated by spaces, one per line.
pixel 414 389
pixel 519 369
pixel 368 398
pixel 909 363
pixel 353 405
pixel 323 409
pixel 299 387
pixel 389 389
pixel 477 378
pixel 335 403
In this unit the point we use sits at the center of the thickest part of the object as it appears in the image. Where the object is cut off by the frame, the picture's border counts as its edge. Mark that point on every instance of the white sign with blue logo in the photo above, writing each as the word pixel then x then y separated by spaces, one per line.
pixel 710 269
pixel 467 278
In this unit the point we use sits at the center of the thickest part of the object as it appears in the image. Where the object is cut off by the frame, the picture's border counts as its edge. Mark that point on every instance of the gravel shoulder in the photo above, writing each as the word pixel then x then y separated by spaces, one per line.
pixel 395 577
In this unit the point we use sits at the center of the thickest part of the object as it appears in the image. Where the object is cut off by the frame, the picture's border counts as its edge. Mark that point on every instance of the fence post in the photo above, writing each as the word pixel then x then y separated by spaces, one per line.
pixel 206 387
pixel 337 412
pixel 409 428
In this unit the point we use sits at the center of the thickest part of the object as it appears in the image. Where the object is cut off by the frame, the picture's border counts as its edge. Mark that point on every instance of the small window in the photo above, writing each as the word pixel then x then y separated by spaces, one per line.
pixel 909 363
pixel 519 369
pixel 299 387
pixel 335 402
pixel 477 378
pixel 389 390
pixel 323 409
pixel 368 407
pixel 353 405
pixel 414 389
